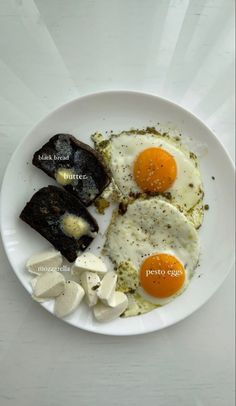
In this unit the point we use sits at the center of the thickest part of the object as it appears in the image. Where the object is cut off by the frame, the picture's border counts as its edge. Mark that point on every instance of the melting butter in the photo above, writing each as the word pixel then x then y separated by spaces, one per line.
pixel 74 226
pixel 64 176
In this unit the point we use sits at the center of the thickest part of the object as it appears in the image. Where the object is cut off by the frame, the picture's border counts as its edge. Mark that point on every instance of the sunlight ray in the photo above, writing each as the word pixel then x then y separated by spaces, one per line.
pixel 193 15
pixel 37 63
pixel 221 91
pixel 206 37
pixel 214 63
pixel 10 114
pixel 164 43
pixel 17 93
pixel 222 121
pixel 119 43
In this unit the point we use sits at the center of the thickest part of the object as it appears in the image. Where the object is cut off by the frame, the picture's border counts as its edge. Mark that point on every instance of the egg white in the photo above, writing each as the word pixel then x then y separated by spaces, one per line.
pixel 152 226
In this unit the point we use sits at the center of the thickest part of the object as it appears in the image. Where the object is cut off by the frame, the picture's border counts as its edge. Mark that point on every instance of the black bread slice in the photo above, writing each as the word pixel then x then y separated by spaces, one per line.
pixel 63 151
pixel 45 212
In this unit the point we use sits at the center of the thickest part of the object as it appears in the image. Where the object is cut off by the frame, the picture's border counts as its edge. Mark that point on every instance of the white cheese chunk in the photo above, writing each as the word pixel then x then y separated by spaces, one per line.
pixel 117 298
pixel 133 308
pixel 49 284
pixel 105 313
pixel 90 281
pixel 107 287
pixel 33 282
pixel 38 299
pixel 41 299
pixel 69 300
pixel 44 261
pixel 88 262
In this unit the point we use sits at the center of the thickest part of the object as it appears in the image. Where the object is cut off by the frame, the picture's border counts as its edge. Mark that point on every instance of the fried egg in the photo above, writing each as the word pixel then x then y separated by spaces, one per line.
pixel 159 242
pixel 155 164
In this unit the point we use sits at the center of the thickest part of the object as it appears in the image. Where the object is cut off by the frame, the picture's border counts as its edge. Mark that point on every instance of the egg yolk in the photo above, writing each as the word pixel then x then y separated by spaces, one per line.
pixel 162 275
pixel 155 170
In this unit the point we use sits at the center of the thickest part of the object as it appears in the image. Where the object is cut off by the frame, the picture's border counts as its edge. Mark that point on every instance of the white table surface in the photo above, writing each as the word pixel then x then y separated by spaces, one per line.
pixel 52 51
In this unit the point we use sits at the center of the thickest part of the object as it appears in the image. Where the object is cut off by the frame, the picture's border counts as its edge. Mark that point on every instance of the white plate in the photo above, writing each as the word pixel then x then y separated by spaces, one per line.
pixel 119 110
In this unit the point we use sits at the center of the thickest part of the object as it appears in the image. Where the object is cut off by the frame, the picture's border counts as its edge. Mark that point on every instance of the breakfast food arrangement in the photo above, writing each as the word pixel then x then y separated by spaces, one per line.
pixel 151 246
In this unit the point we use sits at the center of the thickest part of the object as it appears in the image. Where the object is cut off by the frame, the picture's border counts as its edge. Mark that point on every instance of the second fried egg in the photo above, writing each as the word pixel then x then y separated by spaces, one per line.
pixel 159 242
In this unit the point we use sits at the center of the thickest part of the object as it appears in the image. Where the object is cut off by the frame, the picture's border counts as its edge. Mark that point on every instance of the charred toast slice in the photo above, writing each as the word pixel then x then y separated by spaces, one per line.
pixel 62 219
pixel 74 165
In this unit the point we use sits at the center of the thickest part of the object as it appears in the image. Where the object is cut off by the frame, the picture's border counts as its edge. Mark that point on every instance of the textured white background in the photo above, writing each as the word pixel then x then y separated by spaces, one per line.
pixel 52 51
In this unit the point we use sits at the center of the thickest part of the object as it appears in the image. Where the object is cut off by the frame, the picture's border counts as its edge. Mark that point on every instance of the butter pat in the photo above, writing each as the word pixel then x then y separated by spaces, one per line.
pixel 44 261
pixel 88 262
pixel 107 288
pixel 69 300
pixel 90 282
pixel 49 285
pixel 64 176
pixel 105 313
pixel 74 226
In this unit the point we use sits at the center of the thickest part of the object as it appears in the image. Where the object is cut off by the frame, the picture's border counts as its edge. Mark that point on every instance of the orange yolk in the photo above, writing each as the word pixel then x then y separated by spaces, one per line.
pixel 154 170
pixel 162 275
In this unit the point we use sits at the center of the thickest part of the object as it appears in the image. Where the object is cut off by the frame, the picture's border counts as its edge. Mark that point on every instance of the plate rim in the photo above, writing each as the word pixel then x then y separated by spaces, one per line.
pixel 87 97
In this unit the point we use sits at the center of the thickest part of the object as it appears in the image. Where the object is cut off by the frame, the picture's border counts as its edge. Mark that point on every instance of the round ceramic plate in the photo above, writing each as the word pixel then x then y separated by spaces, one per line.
pixel 117 111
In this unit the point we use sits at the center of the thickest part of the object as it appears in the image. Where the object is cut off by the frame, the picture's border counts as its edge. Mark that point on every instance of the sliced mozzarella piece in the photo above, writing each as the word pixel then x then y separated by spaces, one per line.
pixel 105 313
pixel 41 299
pixel 69 300
pixel 107 288
pixel 44 261
pixel 90 282
pixel 49 284
pixel 33 282
pixel 132 308
pixel 88 262
pixel 117 298
pixel 38 299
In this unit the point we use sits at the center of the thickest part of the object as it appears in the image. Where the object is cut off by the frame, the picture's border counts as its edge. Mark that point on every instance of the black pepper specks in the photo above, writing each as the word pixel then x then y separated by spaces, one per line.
pixel 122 208
pixel 95 287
